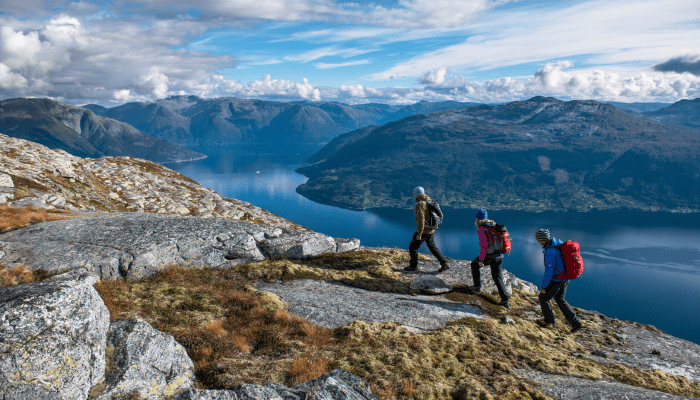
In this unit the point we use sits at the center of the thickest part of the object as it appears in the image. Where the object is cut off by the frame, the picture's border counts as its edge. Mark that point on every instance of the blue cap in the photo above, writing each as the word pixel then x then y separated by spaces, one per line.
pixel 481 214
pixel 418 191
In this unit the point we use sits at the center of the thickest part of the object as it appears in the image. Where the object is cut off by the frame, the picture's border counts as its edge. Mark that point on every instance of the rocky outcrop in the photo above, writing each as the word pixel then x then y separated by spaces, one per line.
pixel 55 179
pixel 572 388
pixel 336 384
pixel 146 361
pixel 137 245
pixel 52 338
pixel 317 301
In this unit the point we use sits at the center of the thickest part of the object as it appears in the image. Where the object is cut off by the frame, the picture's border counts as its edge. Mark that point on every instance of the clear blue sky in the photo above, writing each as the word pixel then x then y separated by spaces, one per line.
pixel 400 51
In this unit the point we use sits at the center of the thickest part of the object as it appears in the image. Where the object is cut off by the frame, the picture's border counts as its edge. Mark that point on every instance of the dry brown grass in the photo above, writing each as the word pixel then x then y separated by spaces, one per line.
pixel 235 335
pixel 230 332
pixel 16 217
pixel 15 276
pixel 304 369
pixel 21 274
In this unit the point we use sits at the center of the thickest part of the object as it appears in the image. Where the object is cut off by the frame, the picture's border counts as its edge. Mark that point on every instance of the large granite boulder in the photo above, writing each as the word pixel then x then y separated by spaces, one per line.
pixel 52 338
pixel 146 361
pixel 337 384
pixel 137 245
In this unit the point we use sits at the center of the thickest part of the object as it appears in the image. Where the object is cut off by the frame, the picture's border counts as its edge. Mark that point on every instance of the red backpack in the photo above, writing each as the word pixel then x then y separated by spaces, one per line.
pixel 571 254
pixel 498 235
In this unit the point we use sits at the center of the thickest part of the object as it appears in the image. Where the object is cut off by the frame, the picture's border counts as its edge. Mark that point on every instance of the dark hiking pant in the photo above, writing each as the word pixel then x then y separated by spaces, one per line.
pixel 557 290
pixel 415 244
pixel 496 265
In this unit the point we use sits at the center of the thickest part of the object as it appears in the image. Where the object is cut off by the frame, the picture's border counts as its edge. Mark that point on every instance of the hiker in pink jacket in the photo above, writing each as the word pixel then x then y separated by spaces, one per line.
pixel 488 255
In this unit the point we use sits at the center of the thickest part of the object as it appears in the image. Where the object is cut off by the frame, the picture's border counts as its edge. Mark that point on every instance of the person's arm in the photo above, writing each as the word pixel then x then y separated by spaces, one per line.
pixel 483 243
pixel 548 268
pixel 420 218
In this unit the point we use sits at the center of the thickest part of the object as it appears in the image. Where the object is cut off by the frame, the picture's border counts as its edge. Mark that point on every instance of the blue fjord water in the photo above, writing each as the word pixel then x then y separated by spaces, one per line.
pixel 639 266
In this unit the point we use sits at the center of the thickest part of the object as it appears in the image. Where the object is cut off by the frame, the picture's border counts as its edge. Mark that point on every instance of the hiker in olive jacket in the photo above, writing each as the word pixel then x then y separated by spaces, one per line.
pixel 423 234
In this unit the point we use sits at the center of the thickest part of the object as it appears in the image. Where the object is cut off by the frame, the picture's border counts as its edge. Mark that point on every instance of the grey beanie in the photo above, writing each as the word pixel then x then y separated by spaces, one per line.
pixel 543 234
pixel 418 191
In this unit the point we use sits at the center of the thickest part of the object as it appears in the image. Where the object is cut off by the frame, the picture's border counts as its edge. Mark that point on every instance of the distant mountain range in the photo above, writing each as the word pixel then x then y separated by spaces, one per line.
pixel 80 132
pixel 539 154
pixel 198 123
pixel 637 108
pixel 684 113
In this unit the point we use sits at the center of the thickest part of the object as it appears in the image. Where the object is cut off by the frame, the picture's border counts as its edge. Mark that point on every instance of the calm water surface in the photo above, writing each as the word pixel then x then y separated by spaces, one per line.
pixel 639 266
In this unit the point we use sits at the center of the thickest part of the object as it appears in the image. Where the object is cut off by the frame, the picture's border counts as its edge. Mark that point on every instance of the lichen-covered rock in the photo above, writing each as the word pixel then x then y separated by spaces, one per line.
pixel 335 385
pixel 52 338
pixel 430 284
pixel 138 245
pixel 344 245
pixel 298 245
pixel 146 361
pixel 334 305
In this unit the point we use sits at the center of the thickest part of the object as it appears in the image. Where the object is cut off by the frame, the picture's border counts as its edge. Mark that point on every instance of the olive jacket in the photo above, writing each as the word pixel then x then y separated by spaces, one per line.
pixel 422 214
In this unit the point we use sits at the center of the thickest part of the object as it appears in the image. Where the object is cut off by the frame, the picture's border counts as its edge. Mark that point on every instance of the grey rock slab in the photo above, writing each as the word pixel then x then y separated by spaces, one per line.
pixel 639 345
pixel 430 285
pixel 572 388
pixel 52 338
pixel 146 361
pixel 298 245
pixel 335 385
pixel 137 245
pixel 333 305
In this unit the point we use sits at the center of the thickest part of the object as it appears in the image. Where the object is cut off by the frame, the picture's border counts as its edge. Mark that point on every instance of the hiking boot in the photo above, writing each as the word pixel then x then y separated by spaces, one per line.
pixel 475 289
pixel 443 267
pixel 544 324
pixel 576 328
pixel 411 269
pixel 505 304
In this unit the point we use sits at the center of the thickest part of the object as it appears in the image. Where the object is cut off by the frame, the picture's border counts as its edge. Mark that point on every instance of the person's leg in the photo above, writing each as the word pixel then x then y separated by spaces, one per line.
pixel 497 275
pixel 564 306
pixel 430 242
pixel 413 251
pixel 551 291
pixel 476 272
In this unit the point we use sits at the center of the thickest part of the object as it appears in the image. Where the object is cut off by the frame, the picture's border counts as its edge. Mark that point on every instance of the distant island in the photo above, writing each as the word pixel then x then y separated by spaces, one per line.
pixel 534 155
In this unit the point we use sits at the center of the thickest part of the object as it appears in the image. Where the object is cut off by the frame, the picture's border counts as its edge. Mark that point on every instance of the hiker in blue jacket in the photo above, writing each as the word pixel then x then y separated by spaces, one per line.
pixel 552 287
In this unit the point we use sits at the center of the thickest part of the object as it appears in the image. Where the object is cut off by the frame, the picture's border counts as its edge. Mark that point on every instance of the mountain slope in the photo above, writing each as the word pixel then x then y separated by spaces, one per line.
pixel 81 132
pixel 533 155
pixel 685 113
pixel 200 123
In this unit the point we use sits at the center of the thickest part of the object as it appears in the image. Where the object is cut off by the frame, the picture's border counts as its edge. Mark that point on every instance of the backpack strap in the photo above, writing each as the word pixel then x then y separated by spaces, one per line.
pixel 562 261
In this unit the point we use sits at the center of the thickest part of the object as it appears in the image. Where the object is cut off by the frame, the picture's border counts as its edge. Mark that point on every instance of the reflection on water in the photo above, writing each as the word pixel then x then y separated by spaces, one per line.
pixel 639 266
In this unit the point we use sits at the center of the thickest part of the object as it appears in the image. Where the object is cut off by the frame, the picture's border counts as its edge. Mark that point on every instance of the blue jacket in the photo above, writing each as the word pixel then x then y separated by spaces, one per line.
pixel 553 263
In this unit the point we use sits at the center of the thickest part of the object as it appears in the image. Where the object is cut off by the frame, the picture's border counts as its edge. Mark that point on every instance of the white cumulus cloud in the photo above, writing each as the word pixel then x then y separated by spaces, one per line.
pixel 271 88
pixel 435 77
